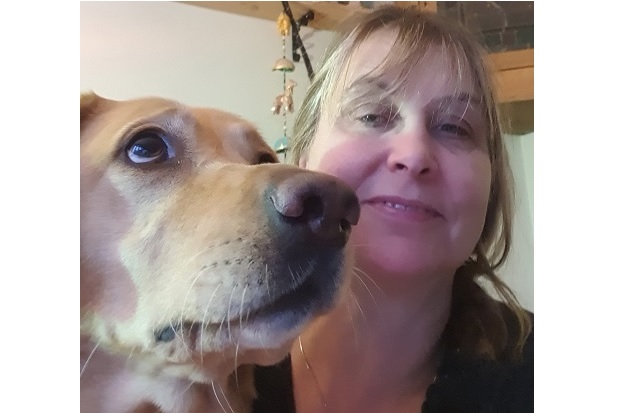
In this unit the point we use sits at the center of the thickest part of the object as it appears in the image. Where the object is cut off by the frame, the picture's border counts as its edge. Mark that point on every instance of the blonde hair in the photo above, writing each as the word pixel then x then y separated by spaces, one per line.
pixel 478 324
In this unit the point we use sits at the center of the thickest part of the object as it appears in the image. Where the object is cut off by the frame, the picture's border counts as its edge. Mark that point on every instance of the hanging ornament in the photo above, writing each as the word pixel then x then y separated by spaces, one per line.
pixel 284 65
pixel 283 103
pixel 284 25
pixel 281 145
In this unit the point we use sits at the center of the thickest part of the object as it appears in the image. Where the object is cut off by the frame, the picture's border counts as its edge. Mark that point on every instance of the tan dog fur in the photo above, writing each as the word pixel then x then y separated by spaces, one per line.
pixel 185 243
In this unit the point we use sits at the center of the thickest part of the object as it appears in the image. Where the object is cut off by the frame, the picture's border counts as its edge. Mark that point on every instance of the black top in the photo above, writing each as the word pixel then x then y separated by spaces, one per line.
pixel 463 385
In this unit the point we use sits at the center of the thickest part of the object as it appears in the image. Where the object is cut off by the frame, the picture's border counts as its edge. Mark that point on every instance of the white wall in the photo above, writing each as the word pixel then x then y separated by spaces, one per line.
pixel 209 58
pixel 518 271
pixel 195 55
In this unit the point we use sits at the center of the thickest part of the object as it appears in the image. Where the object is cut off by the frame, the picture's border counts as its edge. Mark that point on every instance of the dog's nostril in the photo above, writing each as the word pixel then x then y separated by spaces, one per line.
pixel 313 208
pixel 165 335
pixel 344 226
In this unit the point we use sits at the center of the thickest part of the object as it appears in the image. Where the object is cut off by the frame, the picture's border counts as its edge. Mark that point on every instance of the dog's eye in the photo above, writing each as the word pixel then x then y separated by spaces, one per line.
pixel 149 147
pixel 266 158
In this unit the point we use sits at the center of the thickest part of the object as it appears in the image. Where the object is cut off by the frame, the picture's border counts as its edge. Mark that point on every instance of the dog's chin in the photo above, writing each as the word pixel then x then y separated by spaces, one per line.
pixel 271 320
pixel 276 323
pixel 282 320
pixel 261 337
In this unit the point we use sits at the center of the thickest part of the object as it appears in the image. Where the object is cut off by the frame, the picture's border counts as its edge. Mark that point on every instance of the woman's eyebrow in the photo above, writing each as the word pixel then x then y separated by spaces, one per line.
pixel 365 84
pixel 365 90
pixel 462 97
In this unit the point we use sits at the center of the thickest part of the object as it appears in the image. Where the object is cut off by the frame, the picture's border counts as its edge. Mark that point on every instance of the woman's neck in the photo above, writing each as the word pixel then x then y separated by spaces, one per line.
pixel 383 339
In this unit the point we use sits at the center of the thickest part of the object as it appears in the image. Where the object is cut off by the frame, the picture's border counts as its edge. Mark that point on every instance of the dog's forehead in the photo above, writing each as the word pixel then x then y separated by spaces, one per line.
pixel 231 134
pixel 129 112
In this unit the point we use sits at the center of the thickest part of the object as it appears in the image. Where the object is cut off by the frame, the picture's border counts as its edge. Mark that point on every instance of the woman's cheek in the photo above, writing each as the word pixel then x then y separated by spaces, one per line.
pixel 341 160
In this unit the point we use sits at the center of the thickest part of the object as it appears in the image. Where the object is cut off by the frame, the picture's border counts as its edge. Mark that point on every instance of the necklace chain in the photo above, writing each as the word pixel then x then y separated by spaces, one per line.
pixel 316 381
pixel 309 368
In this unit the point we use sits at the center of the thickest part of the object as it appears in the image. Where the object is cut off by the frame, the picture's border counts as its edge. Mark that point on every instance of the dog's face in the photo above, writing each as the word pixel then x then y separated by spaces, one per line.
pixel 196 249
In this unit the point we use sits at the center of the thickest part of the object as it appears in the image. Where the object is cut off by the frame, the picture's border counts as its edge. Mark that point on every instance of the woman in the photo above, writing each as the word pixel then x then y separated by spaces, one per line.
pixel 403 110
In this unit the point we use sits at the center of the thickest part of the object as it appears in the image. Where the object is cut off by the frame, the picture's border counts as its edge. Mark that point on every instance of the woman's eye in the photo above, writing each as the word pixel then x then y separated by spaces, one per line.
pixel 451 127
pixel 383 120
pixel 149 147
pixel 454 129
pixel 373 120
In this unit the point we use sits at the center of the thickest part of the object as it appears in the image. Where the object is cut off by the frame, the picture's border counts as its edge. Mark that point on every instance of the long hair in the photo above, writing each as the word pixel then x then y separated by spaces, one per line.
pixel 478 323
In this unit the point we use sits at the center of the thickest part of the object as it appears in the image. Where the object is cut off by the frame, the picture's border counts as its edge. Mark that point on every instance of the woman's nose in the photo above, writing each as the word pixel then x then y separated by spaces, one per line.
pixel 412 152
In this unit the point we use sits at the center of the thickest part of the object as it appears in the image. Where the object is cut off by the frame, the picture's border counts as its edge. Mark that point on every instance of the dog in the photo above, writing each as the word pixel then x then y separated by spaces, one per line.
pixel 201 256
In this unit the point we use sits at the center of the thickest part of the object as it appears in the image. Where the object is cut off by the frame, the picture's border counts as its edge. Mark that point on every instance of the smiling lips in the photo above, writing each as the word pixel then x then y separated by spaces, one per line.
pixel 405 208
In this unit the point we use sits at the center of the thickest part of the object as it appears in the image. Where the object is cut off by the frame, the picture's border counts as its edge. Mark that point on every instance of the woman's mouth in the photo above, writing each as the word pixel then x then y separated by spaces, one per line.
pixel 405 208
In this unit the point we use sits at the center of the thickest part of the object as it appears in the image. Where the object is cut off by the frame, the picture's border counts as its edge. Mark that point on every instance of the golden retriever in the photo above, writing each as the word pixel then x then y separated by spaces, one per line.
pixel 200 255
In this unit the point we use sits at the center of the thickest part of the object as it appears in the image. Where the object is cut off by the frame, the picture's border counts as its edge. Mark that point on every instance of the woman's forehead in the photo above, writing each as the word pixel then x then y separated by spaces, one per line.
pixel 437 72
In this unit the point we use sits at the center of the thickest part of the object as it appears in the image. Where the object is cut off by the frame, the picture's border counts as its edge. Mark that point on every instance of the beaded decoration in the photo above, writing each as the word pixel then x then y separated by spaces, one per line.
pixel 283 103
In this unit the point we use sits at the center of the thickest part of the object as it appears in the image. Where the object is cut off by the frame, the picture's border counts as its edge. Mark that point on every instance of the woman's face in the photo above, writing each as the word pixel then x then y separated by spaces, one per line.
pixel 417 160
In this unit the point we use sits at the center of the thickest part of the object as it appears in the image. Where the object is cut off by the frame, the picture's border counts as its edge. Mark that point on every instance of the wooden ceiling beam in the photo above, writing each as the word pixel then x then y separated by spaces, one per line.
pixel 327 14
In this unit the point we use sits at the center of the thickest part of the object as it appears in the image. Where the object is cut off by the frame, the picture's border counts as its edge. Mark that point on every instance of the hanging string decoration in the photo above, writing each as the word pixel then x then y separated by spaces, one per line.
pixel 283 103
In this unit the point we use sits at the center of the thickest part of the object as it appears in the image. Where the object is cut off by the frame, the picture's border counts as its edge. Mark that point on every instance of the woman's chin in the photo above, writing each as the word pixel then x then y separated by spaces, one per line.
pixel 399 263
pixel 398 256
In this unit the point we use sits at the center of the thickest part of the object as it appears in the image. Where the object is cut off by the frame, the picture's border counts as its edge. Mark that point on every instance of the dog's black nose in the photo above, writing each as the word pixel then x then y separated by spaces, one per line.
pixel 317 203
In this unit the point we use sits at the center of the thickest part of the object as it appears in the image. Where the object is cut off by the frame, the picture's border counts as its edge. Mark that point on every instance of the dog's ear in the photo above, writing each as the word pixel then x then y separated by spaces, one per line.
pixel 90 105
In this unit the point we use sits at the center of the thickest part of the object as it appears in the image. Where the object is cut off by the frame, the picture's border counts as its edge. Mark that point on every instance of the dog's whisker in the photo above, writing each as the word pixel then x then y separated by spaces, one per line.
pixel 180 336
pixel 267 282
pixel 355 334
pixel 358 276
pixel 216 396
pixel 221 326
pixel 377 307
pixel 184 305
pixel 204 319
pixel 189 290
pixel 225 398
pixel 237 366
pixel 267 277
pixel 290 271
pixel 219 329
pixel 89 357
pixel 260 340
pixel 354 298
pixel 355 313
pixel 301 274
pixel 358 270
pixel 245 289
pixel 180 396
pixel 232 294
pixel 313 263
pixel 298 274
pixel 372 296
pixel 129 356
